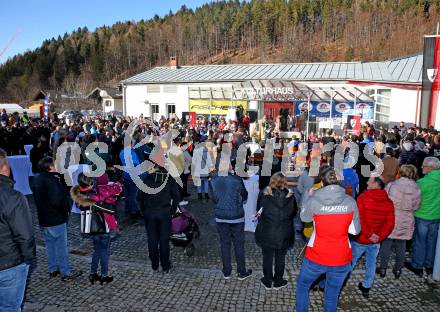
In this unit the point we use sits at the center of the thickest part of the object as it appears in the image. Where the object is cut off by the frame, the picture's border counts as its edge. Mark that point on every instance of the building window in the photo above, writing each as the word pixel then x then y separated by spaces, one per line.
pixel 382 118
pixel 155 109
pixel 382 97
pixel 171 110
pixel 153 88
pixel 384 92
pixel 108 103
pixel 382 109
pixel 170 89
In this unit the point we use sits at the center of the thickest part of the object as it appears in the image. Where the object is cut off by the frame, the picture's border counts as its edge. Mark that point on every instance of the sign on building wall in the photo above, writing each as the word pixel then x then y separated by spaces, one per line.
pixel 217 107
pixel 329 109
pixel 354 124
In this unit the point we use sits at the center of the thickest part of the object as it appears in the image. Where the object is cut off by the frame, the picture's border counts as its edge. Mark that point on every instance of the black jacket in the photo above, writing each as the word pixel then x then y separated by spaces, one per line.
pixel 17 243
pixel 405 156
pixel 165 200
pixel 416 159
pixel 37 153
pixel 51 198
pixel 275 226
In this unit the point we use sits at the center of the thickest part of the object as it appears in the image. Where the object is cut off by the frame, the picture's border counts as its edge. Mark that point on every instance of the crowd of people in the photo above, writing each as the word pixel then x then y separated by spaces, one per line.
pixel 341 214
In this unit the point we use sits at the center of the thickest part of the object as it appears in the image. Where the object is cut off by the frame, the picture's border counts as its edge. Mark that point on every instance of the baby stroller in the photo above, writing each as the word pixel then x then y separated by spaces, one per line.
pixel 183 230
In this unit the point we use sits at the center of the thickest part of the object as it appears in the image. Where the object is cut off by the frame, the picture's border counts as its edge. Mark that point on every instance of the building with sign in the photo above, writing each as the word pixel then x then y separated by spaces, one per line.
pixel 387 92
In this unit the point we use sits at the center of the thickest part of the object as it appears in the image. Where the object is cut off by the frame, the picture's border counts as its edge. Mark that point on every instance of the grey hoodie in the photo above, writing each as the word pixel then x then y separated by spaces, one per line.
pixel 334 215
pixel 328 200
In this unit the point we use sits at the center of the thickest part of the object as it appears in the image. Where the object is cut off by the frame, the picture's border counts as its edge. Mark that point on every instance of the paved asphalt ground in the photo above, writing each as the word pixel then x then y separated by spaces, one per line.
pixel 195 283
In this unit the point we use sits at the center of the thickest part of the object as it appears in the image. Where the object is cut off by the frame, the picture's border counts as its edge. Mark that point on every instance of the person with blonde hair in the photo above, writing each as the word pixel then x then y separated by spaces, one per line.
pixel 276 207
pixel 335 215
pixel 390 165
pixel 405 195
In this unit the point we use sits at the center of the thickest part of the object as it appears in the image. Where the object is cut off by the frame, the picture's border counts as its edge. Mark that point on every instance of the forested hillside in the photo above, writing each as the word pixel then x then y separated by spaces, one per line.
pixel 256 31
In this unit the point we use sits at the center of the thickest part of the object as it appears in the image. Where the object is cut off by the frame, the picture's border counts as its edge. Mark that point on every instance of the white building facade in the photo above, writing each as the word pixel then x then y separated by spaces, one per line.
pixel 395 87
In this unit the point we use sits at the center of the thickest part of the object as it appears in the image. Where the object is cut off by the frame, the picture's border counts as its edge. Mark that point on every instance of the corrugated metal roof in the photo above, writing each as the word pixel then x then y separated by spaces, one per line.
pixel 402 70
pixel 408 69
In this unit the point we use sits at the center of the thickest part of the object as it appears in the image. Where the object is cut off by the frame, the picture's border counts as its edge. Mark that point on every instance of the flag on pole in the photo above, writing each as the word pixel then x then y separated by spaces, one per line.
pixel 430 81
pixel 46 107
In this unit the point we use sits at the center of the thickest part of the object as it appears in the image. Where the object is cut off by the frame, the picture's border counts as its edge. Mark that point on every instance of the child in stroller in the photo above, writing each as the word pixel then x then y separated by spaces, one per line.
pixel 183 230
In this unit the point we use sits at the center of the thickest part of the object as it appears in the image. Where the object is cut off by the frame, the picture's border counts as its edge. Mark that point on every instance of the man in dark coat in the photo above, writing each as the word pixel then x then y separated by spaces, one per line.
pixel 416 159
pixel 17 242
pixel 228 196
pixel 407 151
pixel 157 210
pixel 53 207
pixel 4 139
pixel 362 161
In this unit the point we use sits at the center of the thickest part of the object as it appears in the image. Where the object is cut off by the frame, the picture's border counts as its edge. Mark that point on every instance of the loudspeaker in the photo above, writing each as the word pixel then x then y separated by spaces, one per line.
pixel 284 112
pixel 239 112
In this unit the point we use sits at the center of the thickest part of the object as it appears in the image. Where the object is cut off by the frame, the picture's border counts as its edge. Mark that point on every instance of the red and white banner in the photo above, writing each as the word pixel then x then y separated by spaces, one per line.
pixel 435 84
pixel 354 124
pixel 430 81
pixel 189 118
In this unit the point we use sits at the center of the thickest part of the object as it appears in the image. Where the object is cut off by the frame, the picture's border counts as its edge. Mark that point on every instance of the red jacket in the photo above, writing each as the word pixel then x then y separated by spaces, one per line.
pixel 376 212
pixel 334 215
pixel 246 122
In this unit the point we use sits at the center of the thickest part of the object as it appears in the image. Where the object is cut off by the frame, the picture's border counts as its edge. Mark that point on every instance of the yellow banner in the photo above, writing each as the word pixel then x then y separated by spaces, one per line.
pixel 218 107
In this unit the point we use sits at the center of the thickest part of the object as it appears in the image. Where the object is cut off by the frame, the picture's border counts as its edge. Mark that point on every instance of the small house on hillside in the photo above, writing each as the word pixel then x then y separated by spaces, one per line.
pixel 37 101
pixel 110 99
pixel 60 101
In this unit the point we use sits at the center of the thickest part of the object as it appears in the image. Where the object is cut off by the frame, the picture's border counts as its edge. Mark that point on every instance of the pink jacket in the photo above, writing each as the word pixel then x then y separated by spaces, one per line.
pixel 107 193
pixel 405 195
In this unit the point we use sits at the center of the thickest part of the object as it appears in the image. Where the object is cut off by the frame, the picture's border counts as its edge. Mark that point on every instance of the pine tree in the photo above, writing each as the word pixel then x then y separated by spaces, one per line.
pixel 224 31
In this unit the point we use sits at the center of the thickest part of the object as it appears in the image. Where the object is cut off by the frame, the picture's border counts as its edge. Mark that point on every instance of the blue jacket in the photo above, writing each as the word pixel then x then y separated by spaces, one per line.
pixel 228 195
pixel 134 158
pixel 368 140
